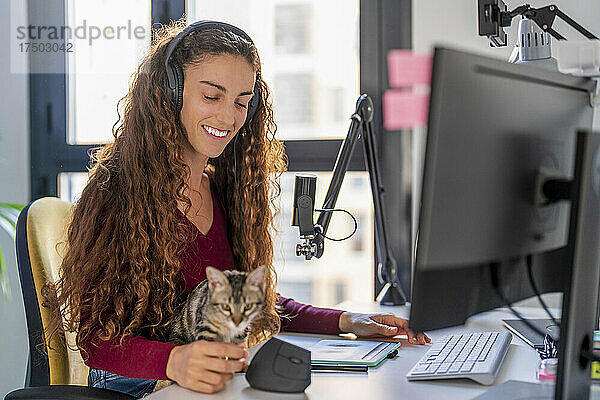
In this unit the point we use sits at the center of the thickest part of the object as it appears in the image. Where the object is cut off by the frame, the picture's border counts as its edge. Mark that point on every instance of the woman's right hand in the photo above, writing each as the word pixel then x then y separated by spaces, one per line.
pixel 205 366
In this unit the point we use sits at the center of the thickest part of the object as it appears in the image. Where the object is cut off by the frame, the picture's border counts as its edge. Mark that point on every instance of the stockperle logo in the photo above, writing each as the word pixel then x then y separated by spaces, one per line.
pixel 90 33
pixel 82 36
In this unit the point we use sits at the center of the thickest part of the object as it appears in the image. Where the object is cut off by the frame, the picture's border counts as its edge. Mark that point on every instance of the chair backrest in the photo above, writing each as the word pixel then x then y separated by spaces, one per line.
pixel 41 231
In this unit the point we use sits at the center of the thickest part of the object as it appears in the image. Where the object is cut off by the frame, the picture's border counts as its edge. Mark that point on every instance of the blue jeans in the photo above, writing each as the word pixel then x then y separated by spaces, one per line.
pixel 107 380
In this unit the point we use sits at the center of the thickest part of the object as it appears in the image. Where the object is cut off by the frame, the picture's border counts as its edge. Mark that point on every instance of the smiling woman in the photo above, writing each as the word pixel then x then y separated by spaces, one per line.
pixel 215 101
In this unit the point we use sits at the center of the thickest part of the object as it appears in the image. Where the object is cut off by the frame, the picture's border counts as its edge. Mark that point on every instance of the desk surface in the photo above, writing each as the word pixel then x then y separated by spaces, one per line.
pixel 388 381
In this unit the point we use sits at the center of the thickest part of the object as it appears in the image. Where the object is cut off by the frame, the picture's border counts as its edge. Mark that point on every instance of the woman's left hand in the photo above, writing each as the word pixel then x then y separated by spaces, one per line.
pixel 369 325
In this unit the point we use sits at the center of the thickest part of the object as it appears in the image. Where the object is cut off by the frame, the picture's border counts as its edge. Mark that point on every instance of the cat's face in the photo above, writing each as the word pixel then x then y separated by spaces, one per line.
pixel 236 297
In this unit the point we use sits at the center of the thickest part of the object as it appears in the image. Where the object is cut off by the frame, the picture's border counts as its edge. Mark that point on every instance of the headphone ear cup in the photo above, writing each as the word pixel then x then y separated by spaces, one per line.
pixel 172 93
pixel 178 88
pixel 253 105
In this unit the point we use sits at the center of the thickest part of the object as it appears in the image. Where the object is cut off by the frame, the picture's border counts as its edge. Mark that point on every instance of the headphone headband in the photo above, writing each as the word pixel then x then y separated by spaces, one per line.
pixel 174 81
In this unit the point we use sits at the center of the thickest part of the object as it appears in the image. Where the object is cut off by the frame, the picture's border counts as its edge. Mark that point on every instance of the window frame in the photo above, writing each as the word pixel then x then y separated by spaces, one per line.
pixel 388 24
pixel 384 22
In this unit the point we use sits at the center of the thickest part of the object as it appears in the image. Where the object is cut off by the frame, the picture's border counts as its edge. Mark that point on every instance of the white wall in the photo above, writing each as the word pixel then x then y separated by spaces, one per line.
pixel 14 188
pixel 454 24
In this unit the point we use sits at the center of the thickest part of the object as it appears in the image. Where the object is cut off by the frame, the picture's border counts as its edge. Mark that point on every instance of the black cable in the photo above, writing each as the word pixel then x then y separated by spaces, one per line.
pixel 338 209
pixel 536 291
pixel 583 353
pixel 495 278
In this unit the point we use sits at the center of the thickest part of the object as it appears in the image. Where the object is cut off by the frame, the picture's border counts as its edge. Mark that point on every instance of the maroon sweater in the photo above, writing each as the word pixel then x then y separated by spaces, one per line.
pixel 147 359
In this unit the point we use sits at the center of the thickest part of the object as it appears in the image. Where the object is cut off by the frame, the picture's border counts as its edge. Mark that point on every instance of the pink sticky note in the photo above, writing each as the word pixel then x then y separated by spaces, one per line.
pixel 406 69
pixel 403 109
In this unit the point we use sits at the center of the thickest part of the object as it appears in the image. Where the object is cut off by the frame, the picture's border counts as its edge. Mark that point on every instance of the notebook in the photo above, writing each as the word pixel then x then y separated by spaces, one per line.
pixel 527 334
pixel 351 352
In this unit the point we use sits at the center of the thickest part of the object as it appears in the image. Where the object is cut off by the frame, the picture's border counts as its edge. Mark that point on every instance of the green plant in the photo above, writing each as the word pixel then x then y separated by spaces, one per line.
pixel 8 222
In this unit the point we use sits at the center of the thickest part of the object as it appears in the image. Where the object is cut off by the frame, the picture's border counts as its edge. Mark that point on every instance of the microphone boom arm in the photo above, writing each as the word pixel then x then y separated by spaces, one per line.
pixel 361 124
pixel 493 16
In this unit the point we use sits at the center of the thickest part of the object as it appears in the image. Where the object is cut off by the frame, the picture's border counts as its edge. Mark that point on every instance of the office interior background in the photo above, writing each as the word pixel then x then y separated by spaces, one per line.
pixel 311 54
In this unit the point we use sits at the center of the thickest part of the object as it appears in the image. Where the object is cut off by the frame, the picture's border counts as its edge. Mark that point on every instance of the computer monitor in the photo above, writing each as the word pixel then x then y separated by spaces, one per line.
pixel 493 129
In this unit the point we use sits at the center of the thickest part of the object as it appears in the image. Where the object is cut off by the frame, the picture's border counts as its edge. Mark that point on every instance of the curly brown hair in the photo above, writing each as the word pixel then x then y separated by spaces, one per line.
pixel 118 276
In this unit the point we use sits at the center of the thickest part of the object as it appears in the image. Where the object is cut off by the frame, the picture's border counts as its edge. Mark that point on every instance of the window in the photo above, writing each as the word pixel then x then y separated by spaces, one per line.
pixel 357 241
pixel 99 69
pixel 342 264
pixel 318 55
pixel 293 99
pixel 309 59
pixel 71 184
pixel 292 30
pixel 75 111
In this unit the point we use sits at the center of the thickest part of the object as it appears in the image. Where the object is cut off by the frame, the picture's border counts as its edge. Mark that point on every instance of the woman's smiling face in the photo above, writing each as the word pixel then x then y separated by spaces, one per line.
pixel 216 93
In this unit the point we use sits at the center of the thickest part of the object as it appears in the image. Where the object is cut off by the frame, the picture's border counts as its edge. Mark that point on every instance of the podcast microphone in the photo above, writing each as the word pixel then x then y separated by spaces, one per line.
pixel 303 211
pixel 314 234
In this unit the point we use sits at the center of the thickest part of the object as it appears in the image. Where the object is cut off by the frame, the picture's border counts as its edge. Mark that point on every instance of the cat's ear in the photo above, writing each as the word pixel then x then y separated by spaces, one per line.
pixel 257 277
pixel 216 278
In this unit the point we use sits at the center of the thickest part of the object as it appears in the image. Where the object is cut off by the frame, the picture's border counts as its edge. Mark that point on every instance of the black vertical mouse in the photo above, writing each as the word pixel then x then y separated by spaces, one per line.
pixel 279 366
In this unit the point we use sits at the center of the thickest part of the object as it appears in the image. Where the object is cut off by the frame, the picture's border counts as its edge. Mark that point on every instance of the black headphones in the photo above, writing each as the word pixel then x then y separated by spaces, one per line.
pixel 174 82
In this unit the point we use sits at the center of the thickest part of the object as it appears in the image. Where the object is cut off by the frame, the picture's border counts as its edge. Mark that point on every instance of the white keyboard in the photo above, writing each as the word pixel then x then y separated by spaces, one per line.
pixel 475 356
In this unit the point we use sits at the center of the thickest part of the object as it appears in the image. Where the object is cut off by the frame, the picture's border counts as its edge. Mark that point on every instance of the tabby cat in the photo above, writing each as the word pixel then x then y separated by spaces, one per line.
pixel 219 309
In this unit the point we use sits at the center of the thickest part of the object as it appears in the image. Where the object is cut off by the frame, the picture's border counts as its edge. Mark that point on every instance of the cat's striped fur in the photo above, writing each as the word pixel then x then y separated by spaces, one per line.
pixel 219 309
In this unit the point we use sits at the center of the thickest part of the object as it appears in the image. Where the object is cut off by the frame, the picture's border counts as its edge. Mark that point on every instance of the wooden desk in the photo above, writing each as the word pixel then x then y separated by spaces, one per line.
pixel 388 381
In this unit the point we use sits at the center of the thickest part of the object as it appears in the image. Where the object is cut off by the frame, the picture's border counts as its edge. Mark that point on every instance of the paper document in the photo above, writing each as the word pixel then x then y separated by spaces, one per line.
pixel 351 352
